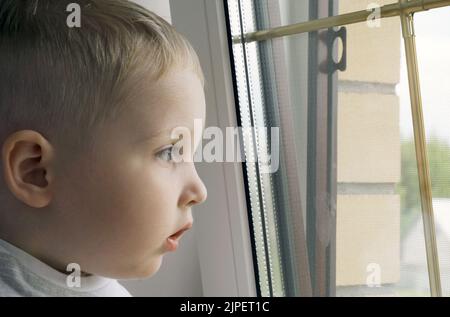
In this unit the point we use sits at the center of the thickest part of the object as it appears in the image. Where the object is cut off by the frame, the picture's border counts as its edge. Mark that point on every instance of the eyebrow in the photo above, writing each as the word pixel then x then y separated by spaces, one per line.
pixel 158 133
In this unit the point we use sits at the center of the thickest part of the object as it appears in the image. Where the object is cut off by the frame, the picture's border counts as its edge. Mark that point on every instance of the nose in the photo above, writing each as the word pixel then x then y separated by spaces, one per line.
pixel 195 191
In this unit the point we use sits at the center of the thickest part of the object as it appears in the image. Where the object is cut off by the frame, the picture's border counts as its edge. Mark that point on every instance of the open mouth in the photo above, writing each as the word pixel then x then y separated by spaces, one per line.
pixel 178 234
pixel 173 240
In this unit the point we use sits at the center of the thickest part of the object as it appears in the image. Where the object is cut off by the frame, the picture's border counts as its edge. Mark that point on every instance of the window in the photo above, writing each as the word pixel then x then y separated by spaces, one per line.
pixel 345 213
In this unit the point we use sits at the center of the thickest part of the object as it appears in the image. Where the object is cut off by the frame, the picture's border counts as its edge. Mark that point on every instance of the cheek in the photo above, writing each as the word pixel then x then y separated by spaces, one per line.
pixel 121 210
pixel 125 210
pixel 141 201
pixel 145 188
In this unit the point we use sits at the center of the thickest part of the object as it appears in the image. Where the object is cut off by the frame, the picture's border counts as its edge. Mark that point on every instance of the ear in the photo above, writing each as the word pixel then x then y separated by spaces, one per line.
pixel 27 159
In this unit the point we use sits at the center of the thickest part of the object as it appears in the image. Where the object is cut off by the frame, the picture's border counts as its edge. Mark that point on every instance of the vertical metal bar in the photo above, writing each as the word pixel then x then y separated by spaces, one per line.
pixel 318 198
pixel 332 164
pixel 407 21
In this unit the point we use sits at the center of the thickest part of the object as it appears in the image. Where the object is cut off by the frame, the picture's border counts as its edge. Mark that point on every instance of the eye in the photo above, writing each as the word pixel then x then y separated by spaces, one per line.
pixel 166 154
pixel 170 153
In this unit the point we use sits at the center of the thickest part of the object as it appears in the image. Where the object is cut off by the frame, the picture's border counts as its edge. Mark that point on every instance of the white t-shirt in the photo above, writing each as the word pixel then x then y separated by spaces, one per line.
pixel 23 275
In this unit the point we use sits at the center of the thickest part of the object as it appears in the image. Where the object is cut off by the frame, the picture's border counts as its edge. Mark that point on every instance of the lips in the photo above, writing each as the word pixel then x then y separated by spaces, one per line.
pixel 173 240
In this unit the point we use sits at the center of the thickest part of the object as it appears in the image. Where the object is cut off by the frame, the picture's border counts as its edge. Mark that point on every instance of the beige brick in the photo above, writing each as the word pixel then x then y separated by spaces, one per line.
pixel 346 6
pixel 373 53
pixel 368 143
pixel 368 231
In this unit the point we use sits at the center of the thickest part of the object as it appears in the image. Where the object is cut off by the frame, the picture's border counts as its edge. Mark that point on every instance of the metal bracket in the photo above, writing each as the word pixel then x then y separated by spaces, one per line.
pixel 333 35
pixel 328 38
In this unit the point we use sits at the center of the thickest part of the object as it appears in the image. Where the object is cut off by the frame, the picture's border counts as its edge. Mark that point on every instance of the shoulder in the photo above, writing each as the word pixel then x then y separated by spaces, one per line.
pixel 14 280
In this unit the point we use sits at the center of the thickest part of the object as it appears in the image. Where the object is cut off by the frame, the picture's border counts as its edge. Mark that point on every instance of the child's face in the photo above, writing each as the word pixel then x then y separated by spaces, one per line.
pixel 116 209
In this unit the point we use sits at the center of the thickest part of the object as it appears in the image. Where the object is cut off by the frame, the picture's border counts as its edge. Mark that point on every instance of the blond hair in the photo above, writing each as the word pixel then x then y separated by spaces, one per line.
pixel 54 78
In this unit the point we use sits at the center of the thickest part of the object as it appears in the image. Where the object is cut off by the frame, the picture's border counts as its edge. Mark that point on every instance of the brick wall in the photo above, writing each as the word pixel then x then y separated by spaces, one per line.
pixel 368 208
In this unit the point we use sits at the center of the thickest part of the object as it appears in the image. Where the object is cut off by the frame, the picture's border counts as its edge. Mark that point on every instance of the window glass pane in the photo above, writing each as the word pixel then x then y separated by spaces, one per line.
pixel 377 170
pixel 433 50
pixel 278 204
pixel 341 215
pixel 249 90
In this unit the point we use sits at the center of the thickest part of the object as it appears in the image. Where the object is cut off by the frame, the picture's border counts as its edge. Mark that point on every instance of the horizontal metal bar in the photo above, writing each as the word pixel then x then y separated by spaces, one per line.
pixel 386 11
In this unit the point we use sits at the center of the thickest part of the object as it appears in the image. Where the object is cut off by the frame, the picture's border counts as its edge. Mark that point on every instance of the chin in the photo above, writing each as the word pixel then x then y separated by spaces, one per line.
pixel 134 270
pixel 147 269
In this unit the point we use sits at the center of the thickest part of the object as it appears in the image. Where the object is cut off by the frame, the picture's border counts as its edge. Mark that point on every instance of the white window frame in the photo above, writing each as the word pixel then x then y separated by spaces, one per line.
pixel 222 228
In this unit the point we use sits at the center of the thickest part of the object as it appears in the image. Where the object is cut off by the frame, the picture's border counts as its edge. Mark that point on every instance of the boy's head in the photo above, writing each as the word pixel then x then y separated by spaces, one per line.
pixel 86 115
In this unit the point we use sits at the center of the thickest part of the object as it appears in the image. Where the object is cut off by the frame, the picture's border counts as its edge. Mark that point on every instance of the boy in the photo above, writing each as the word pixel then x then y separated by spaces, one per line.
pixel 89 190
